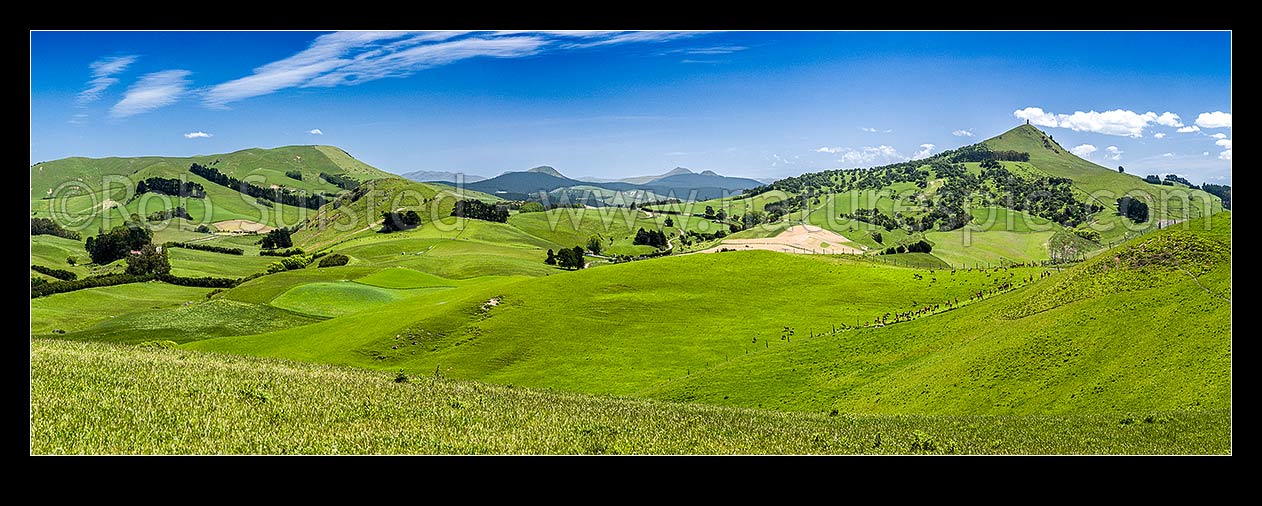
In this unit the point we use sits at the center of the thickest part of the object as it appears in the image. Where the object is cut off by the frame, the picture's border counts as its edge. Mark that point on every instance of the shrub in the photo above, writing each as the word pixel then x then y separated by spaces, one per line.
pixel 876 236
pixel 334 260
pixel 923 442
pixel 70 260
pixel 203 229
pixel 161 344
pixel 294 174
pixel 61 274
pixel 531 207
pixel 400 377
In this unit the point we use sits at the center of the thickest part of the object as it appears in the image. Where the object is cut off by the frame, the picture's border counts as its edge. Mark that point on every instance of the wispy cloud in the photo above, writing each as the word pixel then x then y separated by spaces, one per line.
pixel 1159 135
pixel 1167 155
pixel 1116 122
pixel 1226 143
pixel 924 151
pixel 1189 129
pixel 349 58
pixel 873 130
pixel 103 71
pixel 198 135
pixel 711 50
pixel 1219 135
pixel 963 133
pixel 78 119
pixel 316 131
pixel 1114 153
pixel 152 91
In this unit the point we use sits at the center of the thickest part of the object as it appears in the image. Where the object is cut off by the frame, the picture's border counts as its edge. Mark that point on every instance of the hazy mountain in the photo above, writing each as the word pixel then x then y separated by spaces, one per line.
pixel 429 176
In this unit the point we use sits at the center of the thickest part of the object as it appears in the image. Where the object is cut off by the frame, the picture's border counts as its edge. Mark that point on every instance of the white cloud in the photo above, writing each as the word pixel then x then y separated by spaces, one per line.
pixel 349 58
pixel 1225 155
pixel 924 151
pixel 1169 119
pixel 1189 129
pixel 1083 150
pixel 867 155
pixel 1219 135
pixel 1205 153
pixel 1037 116
pixel 873 130
pixel 1216 119
pixel 1226 143
pixel 197 135
pixel 316 131
pixel 963 133
pixel 1167 155
pixel 1114 153
pixel 1159 135
pixel 102 72
pixel 1116 122
pixel 152 91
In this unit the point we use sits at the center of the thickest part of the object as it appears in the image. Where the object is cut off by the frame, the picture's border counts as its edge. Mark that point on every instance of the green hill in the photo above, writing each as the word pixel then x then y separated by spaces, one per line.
pixel 92 398
pixel 1107 185
pixel 86 189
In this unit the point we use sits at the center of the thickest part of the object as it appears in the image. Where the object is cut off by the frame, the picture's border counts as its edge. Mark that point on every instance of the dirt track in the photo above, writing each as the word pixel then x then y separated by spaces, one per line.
pixel 231 226
pixel 801 239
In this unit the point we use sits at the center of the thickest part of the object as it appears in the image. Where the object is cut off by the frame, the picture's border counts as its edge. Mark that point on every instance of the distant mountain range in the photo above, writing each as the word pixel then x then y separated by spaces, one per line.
pixel 430 176
pixel 681 183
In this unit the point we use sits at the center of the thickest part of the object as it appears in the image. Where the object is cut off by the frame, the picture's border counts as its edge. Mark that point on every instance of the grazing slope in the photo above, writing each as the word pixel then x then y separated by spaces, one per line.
pixel 1144 326
pixel 105 399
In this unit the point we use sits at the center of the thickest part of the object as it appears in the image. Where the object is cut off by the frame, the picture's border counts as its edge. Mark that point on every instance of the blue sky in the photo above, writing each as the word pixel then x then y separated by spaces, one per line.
pixel 609 104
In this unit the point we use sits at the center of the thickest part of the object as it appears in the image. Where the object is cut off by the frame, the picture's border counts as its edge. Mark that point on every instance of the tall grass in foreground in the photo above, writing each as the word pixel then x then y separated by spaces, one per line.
pixel 101 398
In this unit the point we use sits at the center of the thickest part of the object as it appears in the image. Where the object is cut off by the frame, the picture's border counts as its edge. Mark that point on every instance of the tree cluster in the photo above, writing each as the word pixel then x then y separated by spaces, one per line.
pixel 654 238
pixel 1221 191
pixel 278 238
pixel 479 210
pixel 46 226
pixel 567 258
pixel 340 181
pixel 1134 209
pixel 166 214
pixel 204 247
pixel 282 253
pixel 394 222
pixel 61 274
pixel 278 195
pixel 294 174
pixel 88 282
pixel 1177 179
pixel 172 187
pixel 117 243
pixel 151 260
